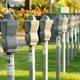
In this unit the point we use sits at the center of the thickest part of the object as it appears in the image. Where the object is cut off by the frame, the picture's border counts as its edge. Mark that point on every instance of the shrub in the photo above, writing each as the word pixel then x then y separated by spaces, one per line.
pixel 22 14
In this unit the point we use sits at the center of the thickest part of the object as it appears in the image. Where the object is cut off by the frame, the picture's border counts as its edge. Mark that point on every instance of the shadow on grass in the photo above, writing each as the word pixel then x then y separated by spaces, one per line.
pixel 74 66
pixel 37 78
pixel 22 63
pixel 23 78
pixel 23 60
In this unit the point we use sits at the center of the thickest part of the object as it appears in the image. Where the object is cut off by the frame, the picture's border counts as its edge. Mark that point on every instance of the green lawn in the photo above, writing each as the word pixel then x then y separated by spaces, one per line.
pixel 22 65
pixel 0 39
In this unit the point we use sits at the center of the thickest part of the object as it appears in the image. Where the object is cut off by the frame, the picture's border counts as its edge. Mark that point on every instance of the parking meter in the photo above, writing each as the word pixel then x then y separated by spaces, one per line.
pixel 67 40
pixel 31 26
pixel 78 32
pixel 75 33
pixel 71 25
pixel 60 24
pixel 77 29
pixel 45 27
pixel 64 24
pixel 9 28
pixel 45 34
pixel 9 31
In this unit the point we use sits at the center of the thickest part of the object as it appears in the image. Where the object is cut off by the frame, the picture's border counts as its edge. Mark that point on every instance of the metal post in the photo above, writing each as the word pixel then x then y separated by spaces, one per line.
pixel 63 51
pixel 32 62
pixel 45 60
pixel 71 44
pixel 50 6
pixel 75 41
pixel 10 66
pixel 67 48
pixel 58 57
pixel 6 4
pixel 28 4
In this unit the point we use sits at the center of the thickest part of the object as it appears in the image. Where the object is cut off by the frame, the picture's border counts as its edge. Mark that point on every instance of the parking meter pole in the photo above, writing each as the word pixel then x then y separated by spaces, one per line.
pixel 31 26
pixel 45 60
pixel 9 28
pixel 45 35
pixel 75 41
pixel 6 4
pixel 71 44
pixel 67 48
pixel 63 51
pixel 32 62
pixel 58 57
pixel 10 66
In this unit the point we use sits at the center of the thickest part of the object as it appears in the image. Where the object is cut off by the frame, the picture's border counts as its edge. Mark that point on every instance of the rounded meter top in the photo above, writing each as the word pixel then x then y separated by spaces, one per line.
pixel 31 17
pixel 45 17
pixel 9 16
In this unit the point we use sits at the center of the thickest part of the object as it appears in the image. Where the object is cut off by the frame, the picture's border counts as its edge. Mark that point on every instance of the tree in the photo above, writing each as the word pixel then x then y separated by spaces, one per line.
pixel 28 4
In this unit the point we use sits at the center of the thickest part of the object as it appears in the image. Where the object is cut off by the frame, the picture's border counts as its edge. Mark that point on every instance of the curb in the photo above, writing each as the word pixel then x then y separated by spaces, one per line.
pixel 18 34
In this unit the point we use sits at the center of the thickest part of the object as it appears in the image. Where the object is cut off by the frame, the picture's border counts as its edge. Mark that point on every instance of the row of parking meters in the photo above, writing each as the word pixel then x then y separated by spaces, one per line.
pixel 66 25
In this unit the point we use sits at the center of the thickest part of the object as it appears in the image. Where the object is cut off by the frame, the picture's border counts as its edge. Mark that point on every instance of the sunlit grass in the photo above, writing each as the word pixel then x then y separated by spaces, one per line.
pixel 22 65
pixel 66 76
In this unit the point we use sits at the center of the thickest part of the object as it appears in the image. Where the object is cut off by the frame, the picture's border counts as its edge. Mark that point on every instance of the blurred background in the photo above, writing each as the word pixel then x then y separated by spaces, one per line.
pixel 21 9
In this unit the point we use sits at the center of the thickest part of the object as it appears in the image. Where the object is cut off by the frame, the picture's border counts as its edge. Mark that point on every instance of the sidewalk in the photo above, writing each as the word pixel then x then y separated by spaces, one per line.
pixel 21 42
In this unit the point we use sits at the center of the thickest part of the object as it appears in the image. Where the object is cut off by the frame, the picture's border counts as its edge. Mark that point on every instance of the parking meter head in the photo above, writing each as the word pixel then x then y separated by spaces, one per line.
pixel 76 19
pixel 60 24
pixel 62 14
pixel 31 26
pixel 9 31
pixel 45 28
pixel 71 22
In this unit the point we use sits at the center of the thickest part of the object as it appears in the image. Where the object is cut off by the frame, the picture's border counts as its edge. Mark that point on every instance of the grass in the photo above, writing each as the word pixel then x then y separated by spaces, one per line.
pixel 22 65
pixel 0 39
